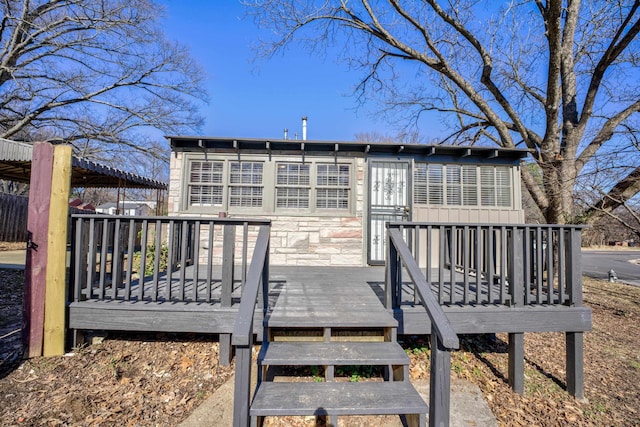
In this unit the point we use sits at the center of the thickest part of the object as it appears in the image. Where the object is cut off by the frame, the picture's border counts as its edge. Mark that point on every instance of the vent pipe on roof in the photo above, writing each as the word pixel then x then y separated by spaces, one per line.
pixel 304 128
pixel 286 133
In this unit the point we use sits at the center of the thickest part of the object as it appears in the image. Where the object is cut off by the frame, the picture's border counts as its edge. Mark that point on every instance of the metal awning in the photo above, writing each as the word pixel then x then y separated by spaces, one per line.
pixel 15 165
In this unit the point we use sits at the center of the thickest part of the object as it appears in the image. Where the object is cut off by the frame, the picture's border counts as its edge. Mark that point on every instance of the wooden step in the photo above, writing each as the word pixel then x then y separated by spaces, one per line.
pixel 333 353
pixel 331 316
pixel 337 398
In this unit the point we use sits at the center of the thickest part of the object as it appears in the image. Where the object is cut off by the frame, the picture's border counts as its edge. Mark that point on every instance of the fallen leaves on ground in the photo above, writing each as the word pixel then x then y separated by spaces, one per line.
pixel 159 379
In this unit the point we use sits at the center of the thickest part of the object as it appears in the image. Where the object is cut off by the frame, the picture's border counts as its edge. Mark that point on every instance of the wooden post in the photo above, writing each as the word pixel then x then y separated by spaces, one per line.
pixel 574 340
pixel 516 284
pixel 228 260
pixel 391 274
pixel 55 298
pixel 516 362
pixel 36 260
pixel 575 364
pixel 440 383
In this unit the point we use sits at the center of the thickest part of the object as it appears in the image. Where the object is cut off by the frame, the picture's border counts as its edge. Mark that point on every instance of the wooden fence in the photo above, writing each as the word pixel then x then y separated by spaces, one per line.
pixel 13 218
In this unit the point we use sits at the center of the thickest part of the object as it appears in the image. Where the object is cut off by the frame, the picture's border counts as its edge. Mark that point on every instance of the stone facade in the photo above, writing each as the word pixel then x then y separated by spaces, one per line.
pixel 296 240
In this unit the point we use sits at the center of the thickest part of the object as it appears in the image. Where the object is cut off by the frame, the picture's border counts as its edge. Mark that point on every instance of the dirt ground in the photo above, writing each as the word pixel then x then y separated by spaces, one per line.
pixel 158 379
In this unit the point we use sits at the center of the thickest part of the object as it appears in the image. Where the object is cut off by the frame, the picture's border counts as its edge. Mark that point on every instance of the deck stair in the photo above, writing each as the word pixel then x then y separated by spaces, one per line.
pixel 326 328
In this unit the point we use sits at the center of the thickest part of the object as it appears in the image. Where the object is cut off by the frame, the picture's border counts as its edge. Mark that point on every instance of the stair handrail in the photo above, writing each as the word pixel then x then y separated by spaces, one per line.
pixel 443 336
pixel 242 337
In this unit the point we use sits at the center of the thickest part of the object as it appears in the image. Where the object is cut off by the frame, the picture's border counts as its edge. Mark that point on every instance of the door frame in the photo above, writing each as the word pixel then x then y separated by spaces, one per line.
pixel 409 200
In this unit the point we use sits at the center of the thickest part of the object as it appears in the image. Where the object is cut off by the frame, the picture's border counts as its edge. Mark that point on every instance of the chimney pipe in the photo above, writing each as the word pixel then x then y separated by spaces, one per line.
pixel 286 133
pixel 304 128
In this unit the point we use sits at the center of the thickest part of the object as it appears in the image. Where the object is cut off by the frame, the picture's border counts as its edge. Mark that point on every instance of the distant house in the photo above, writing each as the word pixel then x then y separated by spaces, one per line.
pixel 81 206
pixel 126 208
pixel 329 200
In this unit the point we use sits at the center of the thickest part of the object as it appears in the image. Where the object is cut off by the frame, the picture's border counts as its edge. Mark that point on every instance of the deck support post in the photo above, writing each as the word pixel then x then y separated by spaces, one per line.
pixel 574 340
pixel 242 386
pixel 516 290
pixel 391 276
pixel 575 364
pixel 440 383
pixel 228 255
pixel 516 362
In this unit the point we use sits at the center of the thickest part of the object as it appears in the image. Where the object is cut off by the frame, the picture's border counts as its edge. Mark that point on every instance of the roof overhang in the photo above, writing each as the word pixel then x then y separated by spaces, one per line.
pixel 231 145
pixel 15 165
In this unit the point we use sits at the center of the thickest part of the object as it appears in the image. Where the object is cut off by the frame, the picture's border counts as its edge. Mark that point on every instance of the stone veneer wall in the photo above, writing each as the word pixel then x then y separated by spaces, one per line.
pixel 300 240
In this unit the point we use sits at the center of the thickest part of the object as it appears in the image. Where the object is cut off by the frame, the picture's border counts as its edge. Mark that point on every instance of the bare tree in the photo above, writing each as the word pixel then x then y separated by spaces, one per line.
pixel 559 77
pixel 95 73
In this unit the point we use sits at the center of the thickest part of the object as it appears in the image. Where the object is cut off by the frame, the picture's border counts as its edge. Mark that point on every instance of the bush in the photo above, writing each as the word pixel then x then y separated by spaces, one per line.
pixel 150 259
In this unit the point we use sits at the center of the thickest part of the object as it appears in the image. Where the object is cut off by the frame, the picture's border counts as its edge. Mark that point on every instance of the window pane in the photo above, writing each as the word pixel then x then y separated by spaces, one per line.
pixel 469 186
pixel 333 175
pixel 454 180
pixel 332 198
pixel 246 173
pixel 435 185
pixel 206 172
pixel 292 174
pixel 245 196
pixel 200 195
pixel 503 186
pixel 420 184
pixel 291 197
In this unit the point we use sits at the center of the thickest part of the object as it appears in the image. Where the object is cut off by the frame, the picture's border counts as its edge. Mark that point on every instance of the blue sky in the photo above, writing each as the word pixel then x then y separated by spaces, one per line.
pixel 258 99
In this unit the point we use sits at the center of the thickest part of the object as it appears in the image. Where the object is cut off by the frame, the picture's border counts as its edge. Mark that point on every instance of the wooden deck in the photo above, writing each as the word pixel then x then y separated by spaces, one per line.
pixel 356 290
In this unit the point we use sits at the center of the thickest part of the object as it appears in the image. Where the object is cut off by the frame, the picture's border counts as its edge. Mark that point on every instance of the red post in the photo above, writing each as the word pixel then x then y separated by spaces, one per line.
pixel 36 261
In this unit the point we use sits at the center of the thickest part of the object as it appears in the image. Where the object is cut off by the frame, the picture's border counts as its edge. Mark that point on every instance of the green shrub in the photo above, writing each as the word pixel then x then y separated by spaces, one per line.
pixel 150 259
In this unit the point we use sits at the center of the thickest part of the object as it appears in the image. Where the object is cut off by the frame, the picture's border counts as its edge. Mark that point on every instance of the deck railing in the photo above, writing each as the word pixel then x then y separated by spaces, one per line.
pixel 443 336
pixel 501 264
pixel 256 291
pixel 160 259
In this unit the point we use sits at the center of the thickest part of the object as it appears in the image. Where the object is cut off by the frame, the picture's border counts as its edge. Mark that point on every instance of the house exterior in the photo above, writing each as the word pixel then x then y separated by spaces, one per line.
pixel 126 208
pixel 329 200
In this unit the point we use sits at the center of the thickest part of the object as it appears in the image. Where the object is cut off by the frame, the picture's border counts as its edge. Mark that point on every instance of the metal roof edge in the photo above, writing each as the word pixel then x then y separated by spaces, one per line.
pixel 188 143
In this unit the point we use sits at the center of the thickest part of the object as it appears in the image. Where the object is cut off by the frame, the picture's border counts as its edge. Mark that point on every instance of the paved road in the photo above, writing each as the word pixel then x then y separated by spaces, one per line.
pixel 13 259
pixel 597 264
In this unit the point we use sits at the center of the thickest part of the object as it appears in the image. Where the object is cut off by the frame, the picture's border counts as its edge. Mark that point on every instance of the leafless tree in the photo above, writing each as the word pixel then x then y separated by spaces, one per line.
pixel 559 77
pixel 98 74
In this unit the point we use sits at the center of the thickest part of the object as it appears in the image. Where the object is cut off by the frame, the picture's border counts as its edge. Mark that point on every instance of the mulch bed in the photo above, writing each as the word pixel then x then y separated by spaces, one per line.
pixel 159 379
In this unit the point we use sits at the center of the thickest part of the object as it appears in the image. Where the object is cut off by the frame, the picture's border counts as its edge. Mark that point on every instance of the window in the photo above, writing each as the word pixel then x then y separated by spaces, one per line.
pixel 295 189
pixel 454 185
pixel 253 184
pixel 428 187
pixel 292 185
pixel 495 186
pixel 206 183
pixel 459 185
pixel 245 184
pixel 332 186
pixel 469 185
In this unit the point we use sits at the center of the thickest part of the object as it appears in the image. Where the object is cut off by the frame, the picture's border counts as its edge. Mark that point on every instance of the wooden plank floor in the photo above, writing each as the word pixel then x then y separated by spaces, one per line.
pixel 355 288
pixel 322 297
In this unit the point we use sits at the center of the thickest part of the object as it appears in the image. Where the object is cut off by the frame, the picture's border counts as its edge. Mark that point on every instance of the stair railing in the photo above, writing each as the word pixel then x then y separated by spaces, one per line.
pixel 256 290
pixel 443 336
